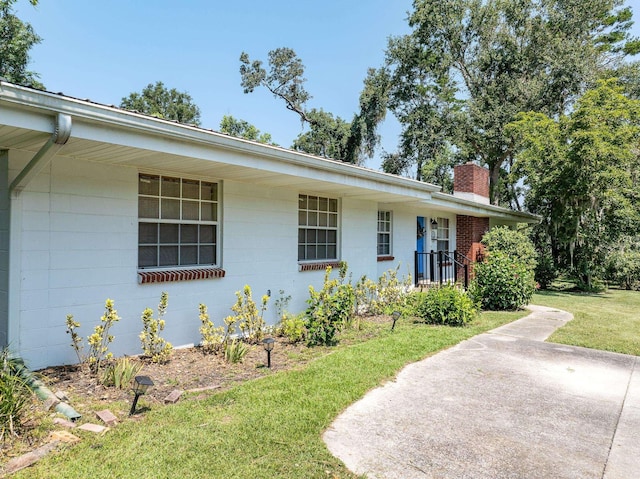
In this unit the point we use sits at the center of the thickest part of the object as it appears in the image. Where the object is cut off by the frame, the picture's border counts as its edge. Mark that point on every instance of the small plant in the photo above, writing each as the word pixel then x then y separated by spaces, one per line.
pixel 330 309
pixel 15 395
pixel 447 305
pixel 281 304
pixel 121 373
pixel 249 318
pixel 100 339
pixel 235 351
pixel 292 326
pixel 213 338
pixel 76 339
pixel 153 345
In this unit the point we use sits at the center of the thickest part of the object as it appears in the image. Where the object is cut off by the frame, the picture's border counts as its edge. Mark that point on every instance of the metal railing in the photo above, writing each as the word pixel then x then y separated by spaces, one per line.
pixel 441 267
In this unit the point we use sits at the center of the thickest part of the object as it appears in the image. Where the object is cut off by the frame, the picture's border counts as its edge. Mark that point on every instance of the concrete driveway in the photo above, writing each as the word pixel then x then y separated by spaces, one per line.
pixel 503 404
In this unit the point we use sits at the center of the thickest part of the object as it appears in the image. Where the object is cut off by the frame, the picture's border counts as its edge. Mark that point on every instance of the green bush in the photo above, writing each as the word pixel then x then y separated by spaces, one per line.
pixel 624 269
pixel 546 271
pixel 513 243
pixel 155 346
pixel 292 327
pixel 121 373
pixel 502 283
pixel 383 297
pixel 15 394
pixel 446 305
pixel 235 351
pixel 330 309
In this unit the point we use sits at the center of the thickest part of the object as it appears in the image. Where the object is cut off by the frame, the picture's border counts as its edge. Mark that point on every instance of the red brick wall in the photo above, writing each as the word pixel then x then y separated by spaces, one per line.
pixel 469 232
pixel 471 178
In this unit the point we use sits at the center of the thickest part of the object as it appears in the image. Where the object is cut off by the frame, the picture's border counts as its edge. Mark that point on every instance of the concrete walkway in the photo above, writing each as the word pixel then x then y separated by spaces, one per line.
pixel 503 404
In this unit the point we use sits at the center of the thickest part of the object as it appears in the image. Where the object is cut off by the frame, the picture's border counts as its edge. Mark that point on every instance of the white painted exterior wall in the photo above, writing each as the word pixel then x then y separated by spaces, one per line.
pixel 75 239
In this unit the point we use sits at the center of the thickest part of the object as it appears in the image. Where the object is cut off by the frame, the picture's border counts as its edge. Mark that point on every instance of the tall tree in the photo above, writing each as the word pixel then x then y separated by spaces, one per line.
pixel 469 66
pixel 583 176
pixel 156 100
pixel 328 136
pixel 16 40
pixel 243 129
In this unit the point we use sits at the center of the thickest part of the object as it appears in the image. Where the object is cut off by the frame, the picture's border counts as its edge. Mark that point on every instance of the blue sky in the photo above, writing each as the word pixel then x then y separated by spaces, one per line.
pixel 104 50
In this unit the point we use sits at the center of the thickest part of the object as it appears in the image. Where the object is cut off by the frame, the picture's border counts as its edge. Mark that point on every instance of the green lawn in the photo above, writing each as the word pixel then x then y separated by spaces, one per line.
pixel 267 428
pixel 609 321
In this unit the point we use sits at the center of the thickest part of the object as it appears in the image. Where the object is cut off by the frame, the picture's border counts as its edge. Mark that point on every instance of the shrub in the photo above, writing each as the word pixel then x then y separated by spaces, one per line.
pixel 330 309
pixel 292 326
pixel 248 317
pixel 445 304
pixel 121 373
pixel 235 351
pixel 213 338
pixel 624 269
pixel 153 345
pixel 383 296
pixel 501 283
pixel 15 395
pixel 546 271
pixel 512 243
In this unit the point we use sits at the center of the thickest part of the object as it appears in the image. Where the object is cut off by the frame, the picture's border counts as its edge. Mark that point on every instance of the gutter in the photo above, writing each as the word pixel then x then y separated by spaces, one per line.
pixel 59 138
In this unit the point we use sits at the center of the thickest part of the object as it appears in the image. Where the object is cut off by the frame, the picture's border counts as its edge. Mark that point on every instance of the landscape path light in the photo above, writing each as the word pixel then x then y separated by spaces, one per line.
pixel 140 386
pixel 395 316
pixel 268 344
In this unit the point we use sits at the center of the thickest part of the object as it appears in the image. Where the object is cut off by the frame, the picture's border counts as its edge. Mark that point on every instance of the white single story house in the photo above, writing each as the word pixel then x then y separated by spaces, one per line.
pixel 97 202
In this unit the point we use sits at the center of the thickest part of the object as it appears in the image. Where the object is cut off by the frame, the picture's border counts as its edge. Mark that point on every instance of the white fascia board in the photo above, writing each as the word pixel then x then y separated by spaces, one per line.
pixel 465 207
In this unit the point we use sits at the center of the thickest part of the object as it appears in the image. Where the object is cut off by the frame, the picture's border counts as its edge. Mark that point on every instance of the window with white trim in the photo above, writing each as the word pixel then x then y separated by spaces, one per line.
pixel 384 233
pixel 317 228
pixel 443 234
pixel 177 222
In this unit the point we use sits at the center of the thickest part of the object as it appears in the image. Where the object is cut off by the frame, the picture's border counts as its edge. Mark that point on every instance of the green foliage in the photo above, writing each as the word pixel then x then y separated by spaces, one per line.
pixel 292 326
pixel 381 297
pixel 235 351
pixel 100 339
pixel 502 283
pixel 16 40
pixel 156 100
pixel 248 317
pixel 213 338
pixel 624 268
pixel 76 339
pixel 243 129
pixel 330 309
pixel 514 243
pixel 121 373
pixel 546 271
pixel 15 395
pixel 153 345
pixel 468 67
pixel 328 136
pixel 447 305
pixel 583 176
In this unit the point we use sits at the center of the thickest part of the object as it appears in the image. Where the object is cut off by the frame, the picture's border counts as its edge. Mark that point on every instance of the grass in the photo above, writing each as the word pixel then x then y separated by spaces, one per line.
pixel 608 321
pixel 268 428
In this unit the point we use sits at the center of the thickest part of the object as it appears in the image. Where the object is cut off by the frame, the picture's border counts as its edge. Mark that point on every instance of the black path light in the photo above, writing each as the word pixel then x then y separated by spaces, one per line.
pixel 268 344
pixel 140 386
pixel 395 316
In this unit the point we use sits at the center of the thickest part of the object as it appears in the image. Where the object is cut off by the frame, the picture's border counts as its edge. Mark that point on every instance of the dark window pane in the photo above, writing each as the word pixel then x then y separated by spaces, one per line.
pixel 301 235
pixel 147 233
pixel 170 187
pixel 207 254
pixel 301 255
pixel 188 234
pixel 190 210
pixel 311 252
pixel 322 252
pixel 323 204
pixel 209 212
pixel 332 252
pixel 147 256
pixel 311 236
pixel 209 191
pixel 169 233
pixel 207 234
pixel 149 185
pixel 313 218
pixel 322 236
pixel 188 255
pixel 313 203
pixel 323 219
pixel 333 220
pixel 168 255
pixel 302 202
pixel 170 209
pixel 191 189
pixel 148 207
pixel 333 205
pixel 332 236
pixel 302 218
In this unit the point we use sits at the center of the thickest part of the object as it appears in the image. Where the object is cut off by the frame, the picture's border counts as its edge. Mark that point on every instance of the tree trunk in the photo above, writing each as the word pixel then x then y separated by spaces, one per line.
pixel 494 179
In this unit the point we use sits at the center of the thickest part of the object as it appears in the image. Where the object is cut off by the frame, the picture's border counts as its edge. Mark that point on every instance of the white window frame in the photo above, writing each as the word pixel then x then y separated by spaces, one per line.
pixel 318 228
pixel 207 231
pixel 385 233
pixel 443 234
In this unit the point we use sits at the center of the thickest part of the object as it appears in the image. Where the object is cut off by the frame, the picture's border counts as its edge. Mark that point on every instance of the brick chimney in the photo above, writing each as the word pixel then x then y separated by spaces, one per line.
pixel 471 182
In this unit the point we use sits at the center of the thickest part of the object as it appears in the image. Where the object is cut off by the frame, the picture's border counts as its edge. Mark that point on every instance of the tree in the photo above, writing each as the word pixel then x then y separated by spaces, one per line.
pixel 16 39
pixel 582 172
pixel 156 100
pixel 243 129
pixel 328 136
pixel 469 66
